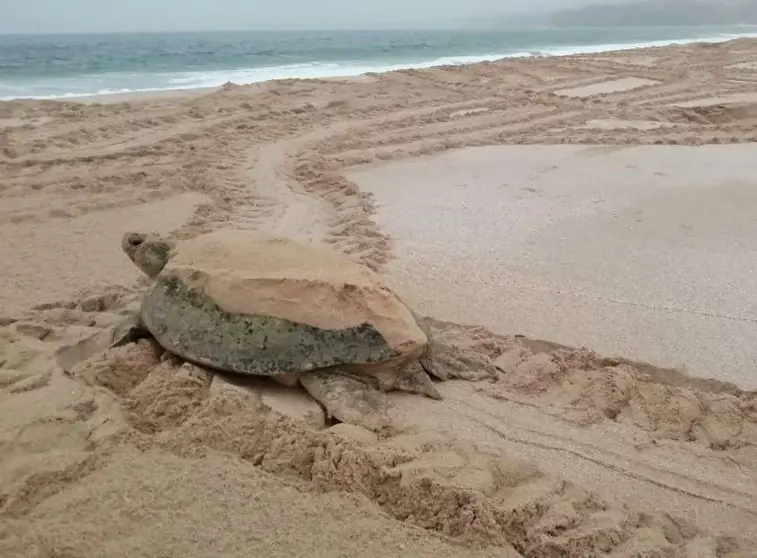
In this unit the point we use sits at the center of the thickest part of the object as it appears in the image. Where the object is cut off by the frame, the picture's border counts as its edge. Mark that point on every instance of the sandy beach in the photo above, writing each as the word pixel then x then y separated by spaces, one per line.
pixel 580 231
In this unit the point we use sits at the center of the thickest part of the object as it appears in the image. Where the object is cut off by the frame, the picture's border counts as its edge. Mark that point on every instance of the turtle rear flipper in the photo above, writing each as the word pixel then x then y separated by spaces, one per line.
pixel 433 367
pixel 416 380
pixel 347 399
pixel 429 359
pixel 128 331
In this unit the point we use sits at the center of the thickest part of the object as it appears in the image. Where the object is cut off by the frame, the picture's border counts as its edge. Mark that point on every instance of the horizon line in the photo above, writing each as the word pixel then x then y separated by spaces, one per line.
pixel 470 26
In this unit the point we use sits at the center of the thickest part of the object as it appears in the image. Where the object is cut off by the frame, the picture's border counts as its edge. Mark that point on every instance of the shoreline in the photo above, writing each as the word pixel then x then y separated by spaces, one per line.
pixel 582 50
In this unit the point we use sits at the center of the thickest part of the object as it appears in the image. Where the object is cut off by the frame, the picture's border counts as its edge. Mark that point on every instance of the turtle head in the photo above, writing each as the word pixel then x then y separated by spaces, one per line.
pixel 149 252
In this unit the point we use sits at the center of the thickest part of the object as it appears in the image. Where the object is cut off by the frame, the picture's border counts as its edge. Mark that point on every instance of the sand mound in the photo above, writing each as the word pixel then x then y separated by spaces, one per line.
pixel 139 502
pixel 729 113
pixel 588 388
pixel 184 432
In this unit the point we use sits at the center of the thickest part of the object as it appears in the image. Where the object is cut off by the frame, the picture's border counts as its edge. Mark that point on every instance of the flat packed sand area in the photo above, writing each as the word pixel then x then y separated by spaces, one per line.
pixel 580 230
pixel 640 251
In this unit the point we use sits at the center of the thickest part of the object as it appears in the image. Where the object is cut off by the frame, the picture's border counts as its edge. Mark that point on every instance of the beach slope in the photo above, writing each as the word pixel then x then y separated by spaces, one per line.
pixel 578 228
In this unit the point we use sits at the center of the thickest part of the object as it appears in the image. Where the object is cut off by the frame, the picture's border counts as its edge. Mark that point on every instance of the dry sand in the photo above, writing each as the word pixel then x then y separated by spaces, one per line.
pixel 636 241
pixel 640 251
pixel 604 87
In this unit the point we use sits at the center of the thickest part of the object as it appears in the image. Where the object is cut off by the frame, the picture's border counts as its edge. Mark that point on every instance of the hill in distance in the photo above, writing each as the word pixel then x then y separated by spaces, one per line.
pixel 659 13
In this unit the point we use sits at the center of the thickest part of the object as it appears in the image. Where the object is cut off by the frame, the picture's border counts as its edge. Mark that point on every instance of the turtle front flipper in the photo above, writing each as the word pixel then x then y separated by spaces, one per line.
pixel 347 399
pixel 128 331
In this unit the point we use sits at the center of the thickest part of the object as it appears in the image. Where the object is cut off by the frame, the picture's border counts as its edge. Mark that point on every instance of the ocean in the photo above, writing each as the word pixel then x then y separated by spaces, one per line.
pixel 63 66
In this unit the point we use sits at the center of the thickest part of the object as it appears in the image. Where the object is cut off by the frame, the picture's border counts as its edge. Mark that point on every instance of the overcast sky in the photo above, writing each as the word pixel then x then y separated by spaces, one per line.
pixel 74 16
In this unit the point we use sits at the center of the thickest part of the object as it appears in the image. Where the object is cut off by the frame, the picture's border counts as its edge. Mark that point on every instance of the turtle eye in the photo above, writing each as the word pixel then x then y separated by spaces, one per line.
pixel 135 240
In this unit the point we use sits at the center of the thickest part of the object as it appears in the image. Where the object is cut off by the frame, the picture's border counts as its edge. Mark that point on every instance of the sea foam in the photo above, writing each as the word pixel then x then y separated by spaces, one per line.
pixel 115 83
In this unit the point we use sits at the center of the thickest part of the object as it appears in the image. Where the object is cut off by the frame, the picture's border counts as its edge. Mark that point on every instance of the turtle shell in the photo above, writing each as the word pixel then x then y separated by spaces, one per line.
pixel 238 302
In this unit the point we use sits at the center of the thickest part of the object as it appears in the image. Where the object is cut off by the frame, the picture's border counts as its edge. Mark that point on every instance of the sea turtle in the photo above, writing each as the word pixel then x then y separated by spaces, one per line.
pixel 238 302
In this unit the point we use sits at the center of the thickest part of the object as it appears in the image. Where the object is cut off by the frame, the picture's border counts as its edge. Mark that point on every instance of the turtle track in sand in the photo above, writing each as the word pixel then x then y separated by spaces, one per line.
pixel 263 152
